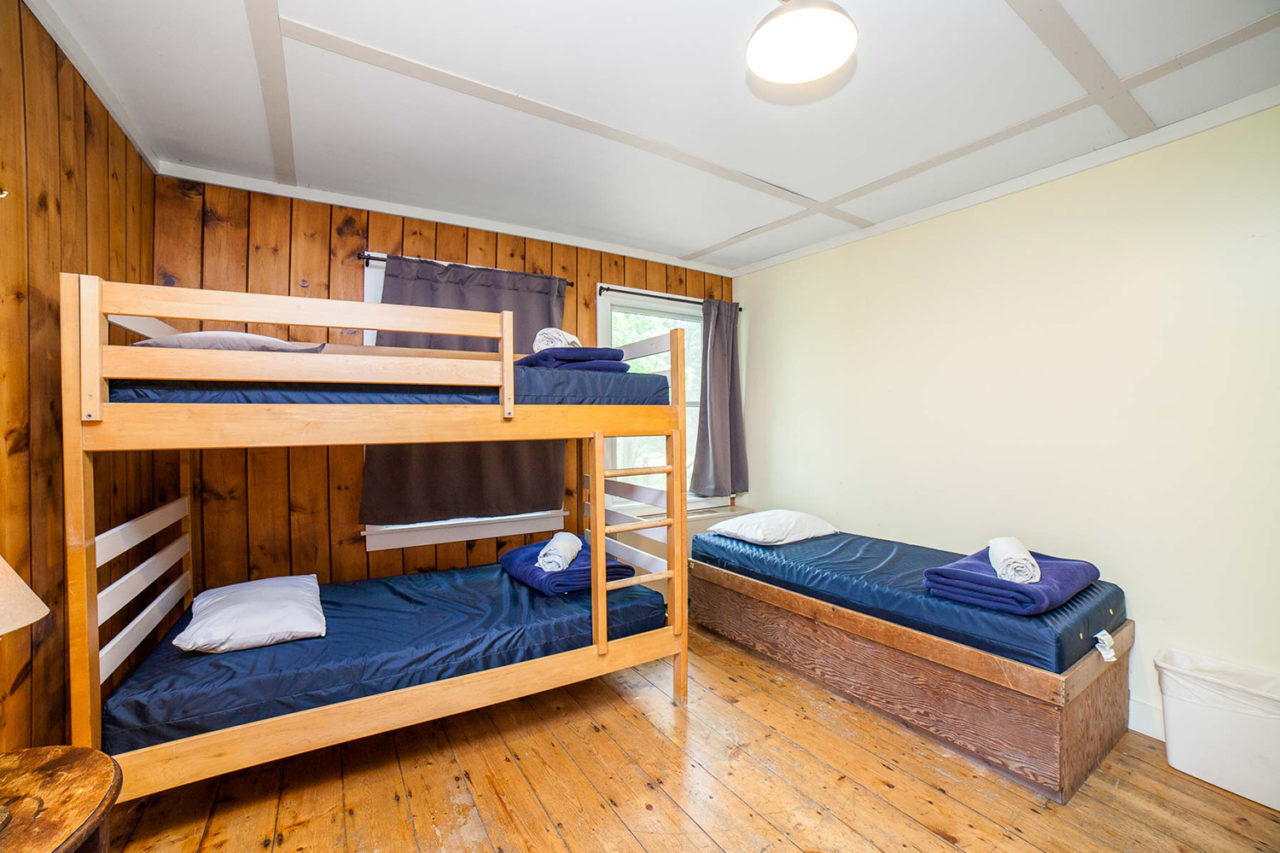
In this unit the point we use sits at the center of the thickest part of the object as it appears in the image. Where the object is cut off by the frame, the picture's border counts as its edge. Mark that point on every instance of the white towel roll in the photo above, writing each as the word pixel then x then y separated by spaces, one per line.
pixel 1012 561
pixel 559 552
pixel 554 338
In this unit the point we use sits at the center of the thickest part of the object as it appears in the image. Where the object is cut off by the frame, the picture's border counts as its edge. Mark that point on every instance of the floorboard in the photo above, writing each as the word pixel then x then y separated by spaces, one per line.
pixel 759 759
pixel 445 816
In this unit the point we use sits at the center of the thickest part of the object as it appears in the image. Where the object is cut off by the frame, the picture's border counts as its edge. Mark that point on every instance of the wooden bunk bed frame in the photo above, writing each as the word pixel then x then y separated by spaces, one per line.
pixel 1044 729
pixel 91 424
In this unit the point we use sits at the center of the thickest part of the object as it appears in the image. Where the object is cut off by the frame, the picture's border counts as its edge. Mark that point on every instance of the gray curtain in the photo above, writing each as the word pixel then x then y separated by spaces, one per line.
pixel 408 483
pixel 720 455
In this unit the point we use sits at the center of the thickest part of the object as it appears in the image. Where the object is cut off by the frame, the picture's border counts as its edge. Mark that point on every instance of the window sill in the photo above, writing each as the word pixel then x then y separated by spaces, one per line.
pixel 379 537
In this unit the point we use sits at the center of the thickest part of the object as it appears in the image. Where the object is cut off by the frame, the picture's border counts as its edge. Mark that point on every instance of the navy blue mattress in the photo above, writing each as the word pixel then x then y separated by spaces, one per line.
pixel 885 579
pixel 534 386
pixel 381 635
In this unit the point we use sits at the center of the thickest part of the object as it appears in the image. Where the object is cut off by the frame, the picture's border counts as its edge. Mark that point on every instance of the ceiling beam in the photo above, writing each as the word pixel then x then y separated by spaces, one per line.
pixel 268 50
pixel 397 64
pixel 747 235
pixel 1204 51
pixel 1068 43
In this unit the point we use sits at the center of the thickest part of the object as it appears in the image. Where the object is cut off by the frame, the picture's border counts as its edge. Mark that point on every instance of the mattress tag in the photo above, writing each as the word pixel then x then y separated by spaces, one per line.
pixel 1106 645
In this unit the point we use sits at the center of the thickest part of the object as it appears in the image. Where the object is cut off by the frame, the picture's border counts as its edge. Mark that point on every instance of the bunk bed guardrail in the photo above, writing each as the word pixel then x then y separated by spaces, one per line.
pixel 103 302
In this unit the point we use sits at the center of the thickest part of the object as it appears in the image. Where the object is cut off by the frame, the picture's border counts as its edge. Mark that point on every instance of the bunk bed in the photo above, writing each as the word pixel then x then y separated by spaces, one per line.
pixel 1030 695
pixel 398 651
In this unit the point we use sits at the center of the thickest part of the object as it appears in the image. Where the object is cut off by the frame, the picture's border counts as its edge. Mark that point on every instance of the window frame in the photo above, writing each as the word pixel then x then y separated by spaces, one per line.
pixel 610 296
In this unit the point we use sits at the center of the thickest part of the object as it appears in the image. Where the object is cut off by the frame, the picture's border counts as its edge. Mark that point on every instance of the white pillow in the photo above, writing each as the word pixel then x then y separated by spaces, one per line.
pixel 773 527
pixel 241 341
pixel 252 614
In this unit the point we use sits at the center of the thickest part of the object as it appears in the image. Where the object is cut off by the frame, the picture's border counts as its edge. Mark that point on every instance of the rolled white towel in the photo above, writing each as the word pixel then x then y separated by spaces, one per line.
pixel 1012 561
pixel 559 552
pixel 553 338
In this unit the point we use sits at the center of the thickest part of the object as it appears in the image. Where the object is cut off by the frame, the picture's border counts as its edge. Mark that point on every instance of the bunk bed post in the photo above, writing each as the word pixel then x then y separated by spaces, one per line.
pixel 677 511
pixel 93 336
pixel 506 355
pixel 599 603
pixel 82 563
pixel 185 462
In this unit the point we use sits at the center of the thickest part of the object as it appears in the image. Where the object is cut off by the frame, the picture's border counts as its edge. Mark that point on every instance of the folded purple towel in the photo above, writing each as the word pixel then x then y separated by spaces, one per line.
pixel 972 580
pixel 564 356
pixel 522 564
pixel 602 366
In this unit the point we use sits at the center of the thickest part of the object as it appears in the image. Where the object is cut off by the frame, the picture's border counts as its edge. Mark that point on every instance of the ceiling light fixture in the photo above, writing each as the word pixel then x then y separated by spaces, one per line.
pixel 801 41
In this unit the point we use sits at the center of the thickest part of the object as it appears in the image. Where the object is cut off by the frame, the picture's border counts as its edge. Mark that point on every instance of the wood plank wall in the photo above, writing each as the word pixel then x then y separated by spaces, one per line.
pixel 80 198
pixel 275 512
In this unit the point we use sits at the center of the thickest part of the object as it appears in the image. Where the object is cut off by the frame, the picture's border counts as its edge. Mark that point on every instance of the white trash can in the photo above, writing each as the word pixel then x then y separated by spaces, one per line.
pixel 1222 723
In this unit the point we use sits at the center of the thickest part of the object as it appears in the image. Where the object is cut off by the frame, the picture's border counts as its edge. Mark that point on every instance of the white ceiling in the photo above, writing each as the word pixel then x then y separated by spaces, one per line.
pixel 633 125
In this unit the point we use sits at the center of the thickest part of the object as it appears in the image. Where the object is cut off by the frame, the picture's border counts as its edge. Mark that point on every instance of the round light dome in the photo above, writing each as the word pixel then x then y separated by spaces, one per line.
pixel 800 41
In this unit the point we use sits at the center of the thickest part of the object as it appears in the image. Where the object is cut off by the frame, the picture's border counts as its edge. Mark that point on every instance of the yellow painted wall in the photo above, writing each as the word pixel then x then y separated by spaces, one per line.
pixel 1092 365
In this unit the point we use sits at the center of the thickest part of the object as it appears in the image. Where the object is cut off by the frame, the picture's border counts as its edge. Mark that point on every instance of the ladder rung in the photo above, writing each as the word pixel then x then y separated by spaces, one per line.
pixel 642 577
pixel 636 525
pixel 611 473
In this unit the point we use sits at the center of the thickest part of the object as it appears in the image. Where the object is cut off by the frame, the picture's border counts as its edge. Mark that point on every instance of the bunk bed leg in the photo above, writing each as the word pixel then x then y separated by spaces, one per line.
pixel 677 534
pixel 186 459
pixel 599 603
pixel 82 562
pixel 507 355
pixel 680 674
pixel 82 596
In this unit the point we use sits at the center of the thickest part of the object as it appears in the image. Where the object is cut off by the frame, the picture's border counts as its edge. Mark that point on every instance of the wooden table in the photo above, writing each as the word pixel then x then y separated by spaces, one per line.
pixel 59 797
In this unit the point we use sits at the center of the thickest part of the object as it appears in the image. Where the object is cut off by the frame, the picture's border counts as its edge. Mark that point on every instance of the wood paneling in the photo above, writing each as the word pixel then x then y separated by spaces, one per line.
pixel 15 460
pixel 223 473
pixel 347 557
pixel 309 466
pixel 270 219
pixel 79 199
pixel 44 262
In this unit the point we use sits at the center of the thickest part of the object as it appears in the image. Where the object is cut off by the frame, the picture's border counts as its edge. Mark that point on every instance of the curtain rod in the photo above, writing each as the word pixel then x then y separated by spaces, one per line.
pixel 381 258
pixel 653 294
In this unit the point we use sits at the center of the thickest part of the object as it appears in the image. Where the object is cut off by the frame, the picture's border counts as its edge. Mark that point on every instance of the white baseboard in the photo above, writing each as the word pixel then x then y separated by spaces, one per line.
pixel 1146 719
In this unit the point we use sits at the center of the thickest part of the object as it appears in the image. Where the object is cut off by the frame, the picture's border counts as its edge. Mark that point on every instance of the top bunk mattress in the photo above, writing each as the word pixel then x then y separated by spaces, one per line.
pixel 886 579
pixel 381 635
pixel 535 386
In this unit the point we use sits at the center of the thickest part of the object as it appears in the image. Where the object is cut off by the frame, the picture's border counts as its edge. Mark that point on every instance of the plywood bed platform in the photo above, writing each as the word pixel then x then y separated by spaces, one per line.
pixel 1044 729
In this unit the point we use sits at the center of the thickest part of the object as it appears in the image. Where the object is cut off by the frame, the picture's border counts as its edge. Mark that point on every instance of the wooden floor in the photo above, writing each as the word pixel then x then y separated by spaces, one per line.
pixel 760 759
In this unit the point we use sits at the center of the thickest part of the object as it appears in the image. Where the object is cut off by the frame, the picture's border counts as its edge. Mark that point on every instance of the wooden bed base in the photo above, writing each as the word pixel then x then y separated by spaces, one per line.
pixel 168 765
pixel 164 581
pixel 1044 729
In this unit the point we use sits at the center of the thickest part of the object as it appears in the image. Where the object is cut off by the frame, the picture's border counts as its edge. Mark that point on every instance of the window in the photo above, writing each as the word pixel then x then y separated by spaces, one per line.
pixel 624 316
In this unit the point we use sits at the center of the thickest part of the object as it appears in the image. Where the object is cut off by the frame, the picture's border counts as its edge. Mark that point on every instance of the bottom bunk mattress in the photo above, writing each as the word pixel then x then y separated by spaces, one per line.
pixel 382 635
pixel 885 579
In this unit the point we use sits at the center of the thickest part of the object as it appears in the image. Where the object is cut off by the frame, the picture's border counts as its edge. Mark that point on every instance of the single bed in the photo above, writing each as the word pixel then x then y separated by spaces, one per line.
pixel 885 579
pixel 382 635
pixel 1029 695
pixel 533 386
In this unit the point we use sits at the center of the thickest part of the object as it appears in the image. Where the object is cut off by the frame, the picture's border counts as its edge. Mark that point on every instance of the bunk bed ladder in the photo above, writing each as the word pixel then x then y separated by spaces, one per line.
pixel 669 530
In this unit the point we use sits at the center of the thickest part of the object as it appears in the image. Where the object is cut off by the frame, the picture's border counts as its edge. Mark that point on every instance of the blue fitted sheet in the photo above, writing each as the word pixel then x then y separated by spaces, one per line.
pixel 886 580
pixel 534 386
pixel 382 635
